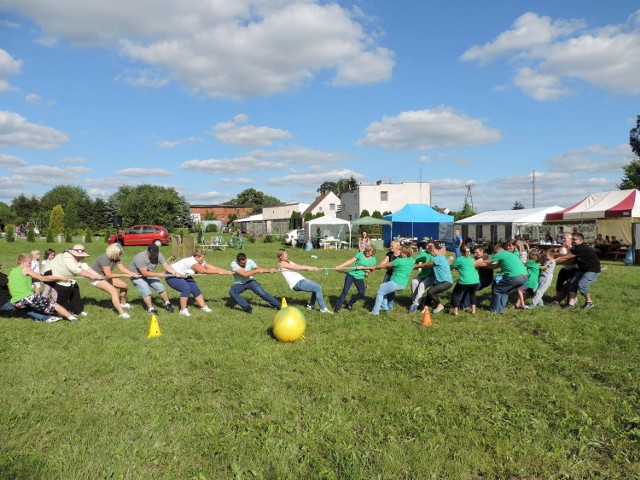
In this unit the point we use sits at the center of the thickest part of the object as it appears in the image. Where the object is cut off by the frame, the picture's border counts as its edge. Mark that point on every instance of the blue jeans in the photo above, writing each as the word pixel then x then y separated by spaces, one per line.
pixel 502 287
pixel 315 289
pixel 253 285
pixel 348 281
pixel 38 317
pixel 582 280
pixel 384 291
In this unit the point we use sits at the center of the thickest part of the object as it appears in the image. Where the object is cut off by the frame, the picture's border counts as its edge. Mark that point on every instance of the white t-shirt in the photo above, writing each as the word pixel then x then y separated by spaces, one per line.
pixel 291 276
pixel 184 266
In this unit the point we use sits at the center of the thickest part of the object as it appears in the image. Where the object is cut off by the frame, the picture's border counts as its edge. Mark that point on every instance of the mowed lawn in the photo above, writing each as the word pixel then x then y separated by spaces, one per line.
pixel 542 393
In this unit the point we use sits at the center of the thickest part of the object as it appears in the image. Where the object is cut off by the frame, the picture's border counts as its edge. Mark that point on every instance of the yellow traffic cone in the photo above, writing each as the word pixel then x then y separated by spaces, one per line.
pixel 154 328
pixel 284 303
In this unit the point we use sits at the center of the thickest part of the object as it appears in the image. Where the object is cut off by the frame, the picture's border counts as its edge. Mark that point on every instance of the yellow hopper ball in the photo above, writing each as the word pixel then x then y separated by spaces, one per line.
pixel 289 324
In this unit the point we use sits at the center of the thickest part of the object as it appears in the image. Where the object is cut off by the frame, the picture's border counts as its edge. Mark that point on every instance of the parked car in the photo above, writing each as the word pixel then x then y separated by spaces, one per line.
pixel 291 237
pixel 141 235
pixel 301 237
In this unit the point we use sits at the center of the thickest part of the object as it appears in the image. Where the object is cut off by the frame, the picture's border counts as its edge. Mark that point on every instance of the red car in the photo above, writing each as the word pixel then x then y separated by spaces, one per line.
pixel 141 235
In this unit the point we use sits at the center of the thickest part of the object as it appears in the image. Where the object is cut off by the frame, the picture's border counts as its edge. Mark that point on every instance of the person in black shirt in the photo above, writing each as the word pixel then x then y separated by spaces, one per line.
pixel 588 271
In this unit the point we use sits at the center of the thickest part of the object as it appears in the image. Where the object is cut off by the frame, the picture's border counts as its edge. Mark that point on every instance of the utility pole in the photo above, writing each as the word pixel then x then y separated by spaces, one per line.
pixel 468 198
pixel 534 189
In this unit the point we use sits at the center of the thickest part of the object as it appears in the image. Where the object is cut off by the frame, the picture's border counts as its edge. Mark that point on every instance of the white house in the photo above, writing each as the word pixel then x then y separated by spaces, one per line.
pixel 383 197
pixel 327 203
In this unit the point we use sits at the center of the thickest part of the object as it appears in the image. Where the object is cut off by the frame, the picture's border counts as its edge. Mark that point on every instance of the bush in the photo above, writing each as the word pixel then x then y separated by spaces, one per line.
pixel 31 236
pixel 88 236
pixel 10 230
pixel 268 239
pixel 211 228
pixel 107 234
pixel 252 237
pixel 49 235
pixel 68 237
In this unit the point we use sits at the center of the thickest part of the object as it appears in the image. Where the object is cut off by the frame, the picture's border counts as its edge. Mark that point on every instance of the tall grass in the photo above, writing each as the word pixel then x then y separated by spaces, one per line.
pixel 541 393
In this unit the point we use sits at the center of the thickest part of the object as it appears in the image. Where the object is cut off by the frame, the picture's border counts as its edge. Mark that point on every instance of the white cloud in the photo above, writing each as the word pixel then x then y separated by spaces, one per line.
pixel 231 165
pixel 169 144
pixel 538 86
pixel 230 48
pixel 145 172
pixel 208 197
pixel 8 66
pixel 237 181
pixel 428 130
pixel 11 161
pixel 48 175
pixel 594 159
pixel 35 99
pixel 73 160
pixel 16 131
pixel 237 133
pixel 547 53
pixel 312 177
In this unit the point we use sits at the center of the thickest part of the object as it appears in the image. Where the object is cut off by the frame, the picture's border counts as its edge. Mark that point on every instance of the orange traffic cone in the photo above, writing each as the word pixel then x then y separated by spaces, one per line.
pixel 284 303
pixel 154 328
pixel 426 318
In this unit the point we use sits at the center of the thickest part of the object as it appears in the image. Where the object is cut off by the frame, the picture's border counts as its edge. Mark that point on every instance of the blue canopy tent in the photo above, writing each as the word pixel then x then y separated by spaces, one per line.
pixel 418 220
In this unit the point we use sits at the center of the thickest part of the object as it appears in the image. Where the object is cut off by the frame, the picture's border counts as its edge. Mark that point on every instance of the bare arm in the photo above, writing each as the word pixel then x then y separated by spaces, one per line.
pixel 351 261
pixel 43 278
pixel 209 269
pixel 293 266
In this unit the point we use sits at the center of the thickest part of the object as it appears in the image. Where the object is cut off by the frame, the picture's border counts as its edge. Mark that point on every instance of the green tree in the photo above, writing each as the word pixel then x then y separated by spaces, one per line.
pixel 517 205
pixel 7 215
pixel 56 220
pixel 376 214
pixel 346 184
pixel 466 212
pixel 255 198
pixel 328 187
pixel 72 220
pixel 25 208
pixel 10 232
pixel 631 177
pixel 100 217
pixel 365 213
pixel 149 204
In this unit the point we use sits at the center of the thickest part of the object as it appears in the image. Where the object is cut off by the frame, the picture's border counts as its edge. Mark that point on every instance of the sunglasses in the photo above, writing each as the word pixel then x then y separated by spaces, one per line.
pixel 79 250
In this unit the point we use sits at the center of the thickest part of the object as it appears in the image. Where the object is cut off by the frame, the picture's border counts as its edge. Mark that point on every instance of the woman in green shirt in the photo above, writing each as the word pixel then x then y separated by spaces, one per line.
pixel 469 280
pixel 402 268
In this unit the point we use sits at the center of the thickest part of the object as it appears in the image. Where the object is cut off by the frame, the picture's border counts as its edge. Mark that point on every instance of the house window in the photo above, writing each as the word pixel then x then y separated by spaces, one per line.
pixel 384 196
pixel 332 206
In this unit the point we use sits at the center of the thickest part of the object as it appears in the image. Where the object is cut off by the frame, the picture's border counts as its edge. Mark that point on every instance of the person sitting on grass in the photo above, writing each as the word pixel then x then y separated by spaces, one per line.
pixel 533 270
pixel 111 283
pixel 186 285
pixel 22 296
pixel 5 300
pixel 356 276
pixel 402 267
pixel 290 272
pixel 244 269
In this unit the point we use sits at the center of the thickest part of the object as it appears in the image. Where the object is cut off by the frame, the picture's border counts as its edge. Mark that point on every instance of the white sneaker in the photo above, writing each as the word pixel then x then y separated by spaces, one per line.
pixel 206 309
pixel 124 315
pixel 310 307
pixel 73 318
pixel 84 314
pixel 325 310
pixel 126 306
pixel 185 312
pixel 52 319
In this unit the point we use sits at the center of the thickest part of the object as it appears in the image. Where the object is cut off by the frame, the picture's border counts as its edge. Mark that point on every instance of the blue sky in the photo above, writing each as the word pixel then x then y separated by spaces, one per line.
pixel 213 97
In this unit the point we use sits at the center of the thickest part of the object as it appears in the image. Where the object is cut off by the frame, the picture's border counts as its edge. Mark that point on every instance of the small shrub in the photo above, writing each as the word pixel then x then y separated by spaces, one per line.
pixel 268 239
pixel 10 230
pixel 49 235
pixel 88 236
pixel 68 237
pixel 107 234
pixel 211 228
pixel 252 237
pixel 31 236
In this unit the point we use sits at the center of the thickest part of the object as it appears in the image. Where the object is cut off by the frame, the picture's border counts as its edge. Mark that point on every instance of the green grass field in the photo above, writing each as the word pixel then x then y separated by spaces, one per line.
pixel 541 393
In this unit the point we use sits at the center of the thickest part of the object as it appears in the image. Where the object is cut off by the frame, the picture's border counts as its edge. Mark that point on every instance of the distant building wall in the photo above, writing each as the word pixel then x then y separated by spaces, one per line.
pixel 222 212
pixel 383 197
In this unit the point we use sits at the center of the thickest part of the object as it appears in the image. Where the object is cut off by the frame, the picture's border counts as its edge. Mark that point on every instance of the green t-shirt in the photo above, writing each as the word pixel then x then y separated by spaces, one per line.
pixel 402 268
pixel 509 263
pixel 362 261
pixel 533 269
pixel 424 257
pixel 468 273
pixel 19 284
